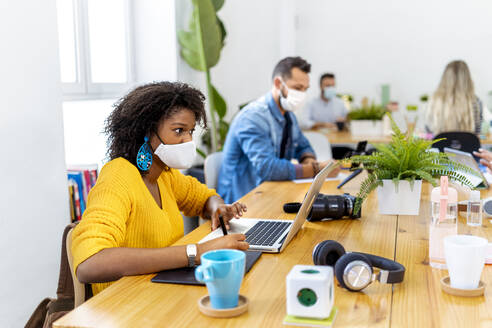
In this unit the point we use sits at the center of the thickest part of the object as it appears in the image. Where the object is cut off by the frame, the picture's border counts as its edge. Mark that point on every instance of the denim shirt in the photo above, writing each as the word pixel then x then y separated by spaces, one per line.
pixel 252 149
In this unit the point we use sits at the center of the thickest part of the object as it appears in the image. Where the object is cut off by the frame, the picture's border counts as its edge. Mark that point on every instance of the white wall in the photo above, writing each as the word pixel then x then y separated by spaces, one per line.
pixel 154 37
pixel 406 44
pixel 366 43
pixel 85 142
pixel 33 193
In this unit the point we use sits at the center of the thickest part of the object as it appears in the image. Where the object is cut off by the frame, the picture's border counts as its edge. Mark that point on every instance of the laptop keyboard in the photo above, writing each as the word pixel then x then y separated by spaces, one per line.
pixel 266 233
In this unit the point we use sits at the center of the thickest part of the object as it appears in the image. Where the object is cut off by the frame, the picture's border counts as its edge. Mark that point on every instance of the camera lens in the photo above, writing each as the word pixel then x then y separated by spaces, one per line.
pixel 349 206
pixel 326 207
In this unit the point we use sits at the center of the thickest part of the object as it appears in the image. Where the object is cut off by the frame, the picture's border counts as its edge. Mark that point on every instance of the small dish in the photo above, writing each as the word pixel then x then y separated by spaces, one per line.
pixel 207 309
pixel 446 287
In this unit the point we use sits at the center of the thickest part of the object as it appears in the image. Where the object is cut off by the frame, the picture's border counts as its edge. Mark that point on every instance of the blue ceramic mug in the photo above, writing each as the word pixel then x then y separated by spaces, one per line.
pixel 222 271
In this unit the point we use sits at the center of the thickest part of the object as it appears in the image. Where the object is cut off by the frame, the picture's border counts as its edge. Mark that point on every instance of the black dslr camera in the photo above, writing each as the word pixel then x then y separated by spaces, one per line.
pixel 328 207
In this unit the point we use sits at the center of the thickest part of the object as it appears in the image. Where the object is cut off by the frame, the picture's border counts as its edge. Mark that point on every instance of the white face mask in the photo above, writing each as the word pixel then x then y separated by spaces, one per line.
pixel 295 99
pixel 329 92
pixel 178 156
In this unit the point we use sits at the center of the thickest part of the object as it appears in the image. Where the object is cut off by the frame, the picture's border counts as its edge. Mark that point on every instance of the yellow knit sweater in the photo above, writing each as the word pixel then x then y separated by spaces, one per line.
pixel 121 212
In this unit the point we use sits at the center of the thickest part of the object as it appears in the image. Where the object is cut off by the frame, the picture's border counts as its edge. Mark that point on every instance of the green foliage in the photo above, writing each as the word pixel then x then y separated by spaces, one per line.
pixel 207 137
pixel 241 106
pixel 201 45
pixel 349 98
pixel 412 107
pixel 200 48
pixel 219 103
pixel 223 129
pixel 372 112
pixel 424 98
pixel 406 158
pixel 201 153
pixel 218 4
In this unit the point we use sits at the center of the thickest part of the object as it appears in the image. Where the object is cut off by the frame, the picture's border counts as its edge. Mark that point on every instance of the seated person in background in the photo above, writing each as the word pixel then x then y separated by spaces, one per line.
pixel 325 110
pixel 454 106
pixel 265 136
pixel 133 211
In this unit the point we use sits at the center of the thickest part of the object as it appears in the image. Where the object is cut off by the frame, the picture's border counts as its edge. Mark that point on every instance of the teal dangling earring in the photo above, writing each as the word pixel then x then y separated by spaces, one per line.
pixel 144 156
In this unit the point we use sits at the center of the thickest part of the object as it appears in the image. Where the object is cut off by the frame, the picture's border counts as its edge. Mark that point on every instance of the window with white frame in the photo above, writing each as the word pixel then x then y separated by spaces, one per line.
pixel 95 48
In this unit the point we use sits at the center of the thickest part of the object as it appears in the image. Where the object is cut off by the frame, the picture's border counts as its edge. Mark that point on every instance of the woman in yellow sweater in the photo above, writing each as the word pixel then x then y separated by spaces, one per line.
pixel 133 211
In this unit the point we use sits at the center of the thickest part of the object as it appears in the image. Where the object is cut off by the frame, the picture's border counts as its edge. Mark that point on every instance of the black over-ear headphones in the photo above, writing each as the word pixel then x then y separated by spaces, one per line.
pixel 354 271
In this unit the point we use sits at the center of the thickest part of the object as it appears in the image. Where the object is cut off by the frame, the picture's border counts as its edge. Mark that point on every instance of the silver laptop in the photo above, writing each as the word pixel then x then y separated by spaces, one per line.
pixel 273 236
pixel 478 182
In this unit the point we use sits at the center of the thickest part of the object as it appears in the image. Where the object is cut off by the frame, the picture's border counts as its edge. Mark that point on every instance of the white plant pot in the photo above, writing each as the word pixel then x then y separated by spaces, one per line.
pixel 370 128
pixel 399 201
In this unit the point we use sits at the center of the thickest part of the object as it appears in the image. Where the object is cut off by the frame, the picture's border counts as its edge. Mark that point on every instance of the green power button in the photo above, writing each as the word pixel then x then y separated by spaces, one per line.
pixel 307 297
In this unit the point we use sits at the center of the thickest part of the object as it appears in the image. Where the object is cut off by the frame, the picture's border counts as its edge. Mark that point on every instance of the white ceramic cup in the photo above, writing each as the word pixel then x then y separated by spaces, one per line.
pixel 465 258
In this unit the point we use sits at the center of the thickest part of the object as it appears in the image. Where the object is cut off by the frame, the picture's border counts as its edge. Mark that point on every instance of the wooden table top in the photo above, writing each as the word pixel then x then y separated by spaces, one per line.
pixel 346 138
pixel 417 302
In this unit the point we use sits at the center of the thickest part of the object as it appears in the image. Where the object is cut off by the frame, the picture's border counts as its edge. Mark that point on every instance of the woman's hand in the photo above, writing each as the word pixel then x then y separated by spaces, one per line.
pixel 228 212
pixel 232 241
pixel 485 157
pixel 214 207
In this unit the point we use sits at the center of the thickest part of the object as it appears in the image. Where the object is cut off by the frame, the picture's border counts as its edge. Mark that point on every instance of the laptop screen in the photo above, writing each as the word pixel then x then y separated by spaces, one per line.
pixel 307 204
pixel 468 160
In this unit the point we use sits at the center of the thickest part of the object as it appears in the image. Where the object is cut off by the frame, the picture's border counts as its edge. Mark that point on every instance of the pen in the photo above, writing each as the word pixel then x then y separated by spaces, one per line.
pixel 222 225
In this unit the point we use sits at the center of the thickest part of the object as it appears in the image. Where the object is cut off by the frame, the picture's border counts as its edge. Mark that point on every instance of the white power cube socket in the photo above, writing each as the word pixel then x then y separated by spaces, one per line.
pixel 310 291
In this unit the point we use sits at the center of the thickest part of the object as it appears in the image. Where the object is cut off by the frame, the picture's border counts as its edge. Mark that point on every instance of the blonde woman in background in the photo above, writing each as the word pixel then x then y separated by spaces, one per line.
pixel 454 106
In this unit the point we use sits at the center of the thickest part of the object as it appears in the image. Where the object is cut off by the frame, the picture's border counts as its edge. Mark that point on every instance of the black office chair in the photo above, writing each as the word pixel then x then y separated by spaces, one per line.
pixel 463 141
pixel 341 152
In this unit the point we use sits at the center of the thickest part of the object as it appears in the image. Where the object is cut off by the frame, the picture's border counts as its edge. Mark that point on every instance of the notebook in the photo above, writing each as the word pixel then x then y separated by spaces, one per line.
pixel 186 276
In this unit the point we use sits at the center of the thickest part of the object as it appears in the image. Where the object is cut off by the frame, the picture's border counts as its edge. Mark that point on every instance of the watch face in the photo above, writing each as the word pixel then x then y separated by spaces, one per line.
pixel 191 250
pixel 191 253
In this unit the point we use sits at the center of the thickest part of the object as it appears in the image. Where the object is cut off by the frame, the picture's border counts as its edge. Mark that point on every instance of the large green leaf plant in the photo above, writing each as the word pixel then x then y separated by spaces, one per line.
pixel 406 158
pixel 201 45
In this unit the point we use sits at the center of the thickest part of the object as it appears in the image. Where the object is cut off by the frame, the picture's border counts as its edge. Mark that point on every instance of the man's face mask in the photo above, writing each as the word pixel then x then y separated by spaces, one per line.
pixel 329 92
pixel 295 99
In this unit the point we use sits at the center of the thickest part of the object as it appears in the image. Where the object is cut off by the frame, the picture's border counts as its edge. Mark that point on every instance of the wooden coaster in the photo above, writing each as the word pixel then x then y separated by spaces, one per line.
pixel 446 287
pixel 206 308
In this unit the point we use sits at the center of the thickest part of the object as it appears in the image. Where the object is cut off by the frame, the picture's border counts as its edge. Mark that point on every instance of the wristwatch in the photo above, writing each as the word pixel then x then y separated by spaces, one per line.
pixel 191 251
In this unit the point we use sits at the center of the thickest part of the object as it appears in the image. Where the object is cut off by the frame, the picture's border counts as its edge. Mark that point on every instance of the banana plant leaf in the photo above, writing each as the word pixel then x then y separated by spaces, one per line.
pixel 201 45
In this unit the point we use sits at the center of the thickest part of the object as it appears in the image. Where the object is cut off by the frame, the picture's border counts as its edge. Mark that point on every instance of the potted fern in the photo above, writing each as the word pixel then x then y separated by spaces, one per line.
pixel 367 120
pixel 397 170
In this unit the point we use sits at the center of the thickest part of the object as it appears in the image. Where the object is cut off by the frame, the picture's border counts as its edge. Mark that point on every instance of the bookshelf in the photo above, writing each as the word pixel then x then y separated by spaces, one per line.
pixel 81 179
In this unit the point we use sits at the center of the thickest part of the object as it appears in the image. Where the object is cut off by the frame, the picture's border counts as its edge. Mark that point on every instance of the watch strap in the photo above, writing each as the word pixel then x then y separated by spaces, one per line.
pixel 191 251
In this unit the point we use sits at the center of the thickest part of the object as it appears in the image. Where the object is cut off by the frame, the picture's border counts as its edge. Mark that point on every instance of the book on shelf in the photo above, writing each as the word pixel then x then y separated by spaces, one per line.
pixel 74 199
pixel 81 179
pixel 73 216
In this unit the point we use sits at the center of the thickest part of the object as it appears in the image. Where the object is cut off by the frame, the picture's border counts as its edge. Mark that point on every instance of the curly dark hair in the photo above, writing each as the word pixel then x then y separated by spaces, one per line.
pixel 139 113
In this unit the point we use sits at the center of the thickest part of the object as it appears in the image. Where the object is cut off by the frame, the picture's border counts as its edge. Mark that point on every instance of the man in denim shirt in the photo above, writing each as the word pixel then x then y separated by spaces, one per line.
pixel 265 136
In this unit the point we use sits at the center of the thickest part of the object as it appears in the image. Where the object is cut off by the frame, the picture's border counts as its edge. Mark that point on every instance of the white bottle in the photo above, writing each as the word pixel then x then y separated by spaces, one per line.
pixel 474 209
pixel 444 209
